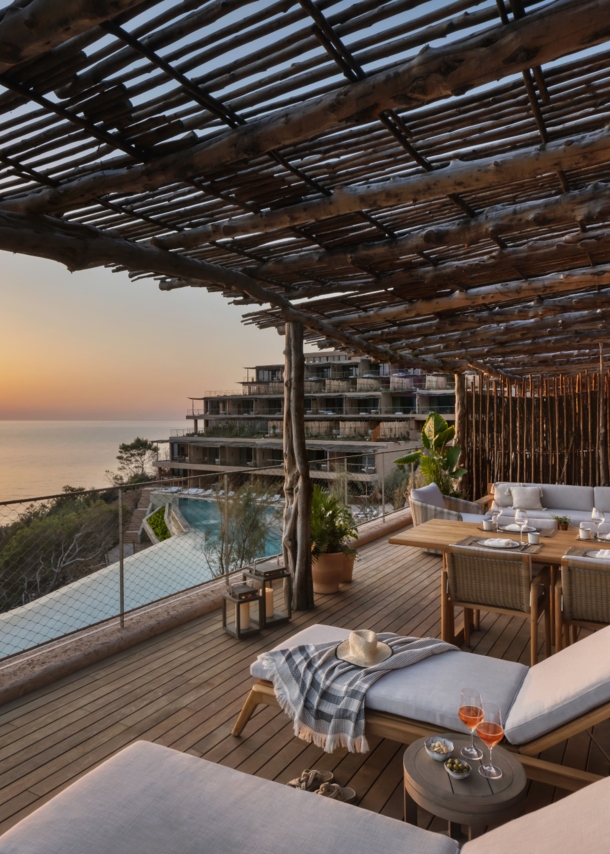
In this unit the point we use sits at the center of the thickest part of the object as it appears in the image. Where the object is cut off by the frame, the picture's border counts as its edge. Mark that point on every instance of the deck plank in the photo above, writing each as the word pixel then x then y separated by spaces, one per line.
pixel 184 689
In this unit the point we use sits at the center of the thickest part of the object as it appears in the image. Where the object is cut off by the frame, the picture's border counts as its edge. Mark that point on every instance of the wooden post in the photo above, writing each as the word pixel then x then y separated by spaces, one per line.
pixel 461 437
pixel 602 436
pixel 296 538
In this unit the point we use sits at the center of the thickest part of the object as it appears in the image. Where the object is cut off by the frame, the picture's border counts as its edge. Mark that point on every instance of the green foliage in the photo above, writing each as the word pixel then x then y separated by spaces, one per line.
pixel 332 524
pixel 438 462
pixel 247 518
pixel 55 543
pixel 135 461
pixel 157 523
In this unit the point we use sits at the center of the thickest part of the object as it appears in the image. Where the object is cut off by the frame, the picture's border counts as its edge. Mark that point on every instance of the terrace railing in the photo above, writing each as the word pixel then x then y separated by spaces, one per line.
pixel 82 557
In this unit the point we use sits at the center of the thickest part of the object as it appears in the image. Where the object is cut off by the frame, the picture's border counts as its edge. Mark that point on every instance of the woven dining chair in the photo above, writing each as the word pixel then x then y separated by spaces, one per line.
pixel 582 597
pixel 501 583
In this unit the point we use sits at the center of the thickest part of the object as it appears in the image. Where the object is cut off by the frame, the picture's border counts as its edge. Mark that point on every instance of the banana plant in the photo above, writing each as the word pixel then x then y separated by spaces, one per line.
pixel 438 461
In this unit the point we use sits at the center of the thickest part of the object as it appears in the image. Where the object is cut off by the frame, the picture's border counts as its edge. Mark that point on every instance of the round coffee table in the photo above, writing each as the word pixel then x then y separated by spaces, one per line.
pixel 476 801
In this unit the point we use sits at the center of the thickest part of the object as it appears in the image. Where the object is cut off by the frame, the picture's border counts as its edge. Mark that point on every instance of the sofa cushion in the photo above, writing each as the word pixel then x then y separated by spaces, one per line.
pixel 560 495
pixel 502 496
pixel 574 824
pixel 152 799
pixel 601 498
pixel 575 516
pixel 526 497
pixel 430 494
pixel 430 690
pixel 561 688
pixel 472 517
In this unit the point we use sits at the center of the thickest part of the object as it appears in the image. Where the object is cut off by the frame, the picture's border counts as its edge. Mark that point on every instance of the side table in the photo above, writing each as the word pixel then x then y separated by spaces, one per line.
pixel 476 801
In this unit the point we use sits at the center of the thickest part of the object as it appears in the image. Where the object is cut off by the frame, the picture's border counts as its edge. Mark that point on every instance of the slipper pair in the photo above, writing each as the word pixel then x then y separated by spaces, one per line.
pixel 321 783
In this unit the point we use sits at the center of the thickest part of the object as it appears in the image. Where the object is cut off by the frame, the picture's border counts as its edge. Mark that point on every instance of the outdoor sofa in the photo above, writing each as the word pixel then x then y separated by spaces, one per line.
pixel 576 502
pixel 152 799
pixel 428 502
pixel 541 706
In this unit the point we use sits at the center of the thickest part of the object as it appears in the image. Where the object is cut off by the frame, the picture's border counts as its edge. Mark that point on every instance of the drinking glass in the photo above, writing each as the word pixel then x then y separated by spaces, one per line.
pixel 598 519
pixel 491 732
pixel 521 520
pixel 470 713
pixel 495 515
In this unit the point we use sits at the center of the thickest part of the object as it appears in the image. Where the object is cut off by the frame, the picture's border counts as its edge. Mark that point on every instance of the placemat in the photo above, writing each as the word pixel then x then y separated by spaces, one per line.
pixel 544 532
pixel 527 548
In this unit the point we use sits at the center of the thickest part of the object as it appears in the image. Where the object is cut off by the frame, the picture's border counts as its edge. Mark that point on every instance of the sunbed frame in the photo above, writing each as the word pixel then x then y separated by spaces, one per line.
pixel 404 730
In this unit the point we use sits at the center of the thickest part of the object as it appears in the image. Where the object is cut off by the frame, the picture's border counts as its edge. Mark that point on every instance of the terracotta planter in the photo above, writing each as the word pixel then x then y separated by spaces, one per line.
pixel 563 526
pixel 348 568
pixel 327 572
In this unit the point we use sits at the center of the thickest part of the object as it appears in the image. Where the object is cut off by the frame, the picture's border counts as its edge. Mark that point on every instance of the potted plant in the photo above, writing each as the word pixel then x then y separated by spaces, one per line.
pixel 438 461
pixel 349 558
pixel 332 525
pixel 563 522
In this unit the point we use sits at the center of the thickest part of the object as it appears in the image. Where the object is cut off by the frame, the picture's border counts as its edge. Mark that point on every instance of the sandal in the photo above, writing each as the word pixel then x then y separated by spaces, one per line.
pixel 311 781
pixel 337 792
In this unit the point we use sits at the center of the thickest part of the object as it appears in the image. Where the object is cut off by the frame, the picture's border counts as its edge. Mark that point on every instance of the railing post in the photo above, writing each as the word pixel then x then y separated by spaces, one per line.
pixel 121 564
pixel 383 485
pixel 226 527
pixel 345 489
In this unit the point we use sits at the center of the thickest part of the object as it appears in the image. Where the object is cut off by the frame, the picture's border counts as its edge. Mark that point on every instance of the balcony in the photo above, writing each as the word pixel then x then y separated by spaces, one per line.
pixel 184 689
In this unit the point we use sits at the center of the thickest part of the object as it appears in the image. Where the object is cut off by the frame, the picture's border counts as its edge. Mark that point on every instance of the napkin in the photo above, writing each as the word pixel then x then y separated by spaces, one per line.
pixel 497 543
pixel 515 527
pixel 603 554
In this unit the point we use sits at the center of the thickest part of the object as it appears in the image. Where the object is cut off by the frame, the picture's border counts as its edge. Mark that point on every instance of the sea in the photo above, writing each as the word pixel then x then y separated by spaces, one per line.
pixel 39 458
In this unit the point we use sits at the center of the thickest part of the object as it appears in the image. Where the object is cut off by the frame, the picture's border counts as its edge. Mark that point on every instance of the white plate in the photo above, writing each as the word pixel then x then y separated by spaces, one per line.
pixel 601 554
pixel 498 544
pixel 515 529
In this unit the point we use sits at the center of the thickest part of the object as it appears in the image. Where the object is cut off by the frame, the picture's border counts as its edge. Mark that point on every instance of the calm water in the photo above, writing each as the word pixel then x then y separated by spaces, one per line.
pixel 40 457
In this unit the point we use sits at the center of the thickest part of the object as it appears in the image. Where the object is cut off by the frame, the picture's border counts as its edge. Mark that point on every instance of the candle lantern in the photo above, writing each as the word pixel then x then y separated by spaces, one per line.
pixel 244 597
pixel 265 576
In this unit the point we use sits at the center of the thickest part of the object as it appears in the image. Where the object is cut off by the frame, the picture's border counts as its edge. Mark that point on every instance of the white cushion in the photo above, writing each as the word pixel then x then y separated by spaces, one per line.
pixel 526 497
pixel 601 498
pixel 430 494
pixel 472 517
pixel 573 825
pixel 561 688
pixel 575 497
pixel 502 496
pixel 155 800
pixel 430 690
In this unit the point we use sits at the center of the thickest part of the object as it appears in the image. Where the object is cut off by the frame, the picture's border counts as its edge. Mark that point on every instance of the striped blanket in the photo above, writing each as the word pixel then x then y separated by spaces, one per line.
pixel 325 695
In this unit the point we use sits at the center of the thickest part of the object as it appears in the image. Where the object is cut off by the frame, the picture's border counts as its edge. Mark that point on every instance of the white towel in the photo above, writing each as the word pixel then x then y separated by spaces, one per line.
pixel 498 543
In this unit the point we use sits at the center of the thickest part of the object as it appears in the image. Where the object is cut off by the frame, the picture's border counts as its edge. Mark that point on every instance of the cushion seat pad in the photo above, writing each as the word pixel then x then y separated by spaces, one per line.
pixel 428 691
pixel 152 799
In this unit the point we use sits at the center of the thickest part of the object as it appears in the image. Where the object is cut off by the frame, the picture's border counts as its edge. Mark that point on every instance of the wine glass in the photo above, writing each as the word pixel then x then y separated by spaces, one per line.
pixel 491 731
pixel 521 520
pixel 470 713
pixel 598 519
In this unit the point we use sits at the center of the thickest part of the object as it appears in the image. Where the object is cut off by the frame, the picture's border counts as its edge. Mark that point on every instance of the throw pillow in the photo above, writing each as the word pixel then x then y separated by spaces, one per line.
pixel 502 496
pixel 526 497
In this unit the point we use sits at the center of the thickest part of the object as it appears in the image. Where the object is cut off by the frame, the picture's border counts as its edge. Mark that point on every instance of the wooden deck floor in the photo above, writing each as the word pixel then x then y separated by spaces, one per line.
pixel 184 689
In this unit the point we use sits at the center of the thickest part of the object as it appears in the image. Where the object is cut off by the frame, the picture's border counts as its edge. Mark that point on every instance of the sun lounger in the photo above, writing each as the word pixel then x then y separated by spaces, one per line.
pixel 542 705
pixel 149 798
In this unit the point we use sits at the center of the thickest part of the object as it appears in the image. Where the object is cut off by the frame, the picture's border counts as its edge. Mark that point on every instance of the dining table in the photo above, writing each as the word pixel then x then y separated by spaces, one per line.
pixel 439 534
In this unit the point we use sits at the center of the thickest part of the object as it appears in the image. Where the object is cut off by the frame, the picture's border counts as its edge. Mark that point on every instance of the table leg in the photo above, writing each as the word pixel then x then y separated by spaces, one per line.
pixel 447 626
pixel 553 581
pixel 410 809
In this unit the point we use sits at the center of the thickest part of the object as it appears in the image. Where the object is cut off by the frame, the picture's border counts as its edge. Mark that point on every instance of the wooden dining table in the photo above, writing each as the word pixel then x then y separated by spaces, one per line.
pixel 439 534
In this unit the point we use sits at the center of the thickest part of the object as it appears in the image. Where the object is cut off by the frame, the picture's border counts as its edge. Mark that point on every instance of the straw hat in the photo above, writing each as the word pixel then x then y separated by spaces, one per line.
pixel 363 648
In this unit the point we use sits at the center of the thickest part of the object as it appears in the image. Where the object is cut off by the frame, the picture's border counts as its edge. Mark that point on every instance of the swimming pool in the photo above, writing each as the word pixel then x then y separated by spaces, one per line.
pixel 204 515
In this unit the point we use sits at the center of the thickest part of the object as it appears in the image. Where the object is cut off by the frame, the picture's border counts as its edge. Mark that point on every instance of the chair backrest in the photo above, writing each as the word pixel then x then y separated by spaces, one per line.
pixel 479 577
pixel 585 586
pixel 430 494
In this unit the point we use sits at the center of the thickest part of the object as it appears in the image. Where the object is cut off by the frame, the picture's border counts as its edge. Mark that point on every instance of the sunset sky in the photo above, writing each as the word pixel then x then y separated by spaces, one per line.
pixel 93 345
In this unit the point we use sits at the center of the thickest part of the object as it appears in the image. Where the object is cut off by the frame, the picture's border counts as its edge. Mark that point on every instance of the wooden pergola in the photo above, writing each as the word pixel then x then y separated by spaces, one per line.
pixel 426 183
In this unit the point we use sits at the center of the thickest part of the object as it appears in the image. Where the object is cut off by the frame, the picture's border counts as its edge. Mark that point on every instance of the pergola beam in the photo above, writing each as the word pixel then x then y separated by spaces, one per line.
pixel 545 35
pixel 485 173
pixel 28 30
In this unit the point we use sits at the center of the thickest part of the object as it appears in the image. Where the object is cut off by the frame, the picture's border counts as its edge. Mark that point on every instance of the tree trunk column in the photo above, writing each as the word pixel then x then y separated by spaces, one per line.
pixel 602 422
pixel 461 436
pixel 296 538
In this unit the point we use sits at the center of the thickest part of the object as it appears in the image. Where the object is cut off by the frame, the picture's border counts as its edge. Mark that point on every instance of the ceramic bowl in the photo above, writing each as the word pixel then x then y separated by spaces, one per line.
pixel 459 776
pixel 439 757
